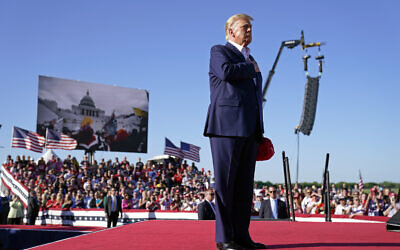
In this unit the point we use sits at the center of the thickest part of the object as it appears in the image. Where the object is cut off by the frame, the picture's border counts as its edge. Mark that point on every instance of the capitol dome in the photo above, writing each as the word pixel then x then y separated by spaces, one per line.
pixel 87 101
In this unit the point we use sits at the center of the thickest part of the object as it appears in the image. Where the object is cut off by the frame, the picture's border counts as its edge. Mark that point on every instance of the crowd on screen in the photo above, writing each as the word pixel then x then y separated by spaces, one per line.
pixel 168 185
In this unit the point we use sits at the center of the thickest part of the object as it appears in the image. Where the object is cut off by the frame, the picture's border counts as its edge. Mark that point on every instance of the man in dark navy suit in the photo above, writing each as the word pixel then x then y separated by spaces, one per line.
pixel 112 208
pixel 235 126
pixel 33 208
pixel 273 208
pixel 206 209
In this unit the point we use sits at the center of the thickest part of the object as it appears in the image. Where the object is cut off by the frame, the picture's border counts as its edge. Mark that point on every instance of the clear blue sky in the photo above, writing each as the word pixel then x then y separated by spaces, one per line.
pixel 164 47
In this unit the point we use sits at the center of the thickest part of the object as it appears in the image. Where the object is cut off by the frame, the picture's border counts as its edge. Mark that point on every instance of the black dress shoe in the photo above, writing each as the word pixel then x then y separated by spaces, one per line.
pixel 253 245
pixel 229 245
pixel 220 246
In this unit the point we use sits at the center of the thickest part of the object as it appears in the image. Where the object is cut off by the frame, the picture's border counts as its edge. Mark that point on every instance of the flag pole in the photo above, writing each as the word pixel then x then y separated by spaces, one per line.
pixel 12 136
pixel 45 141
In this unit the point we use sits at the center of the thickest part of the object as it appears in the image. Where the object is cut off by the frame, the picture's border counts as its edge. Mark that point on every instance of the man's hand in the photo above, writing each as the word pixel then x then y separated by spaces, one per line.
pixel 255 66
pixel 106 216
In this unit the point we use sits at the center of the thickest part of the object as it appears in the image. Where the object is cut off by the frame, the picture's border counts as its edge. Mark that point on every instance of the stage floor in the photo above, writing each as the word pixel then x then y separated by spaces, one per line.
pixel 181 234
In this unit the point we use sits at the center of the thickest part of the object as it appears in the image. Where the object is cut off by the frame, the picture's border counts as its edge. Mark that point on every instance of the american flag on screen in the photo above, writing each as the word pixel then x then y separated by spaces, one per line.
pixel 55 140
pixel 22 138
pixel 360 183
pixel 190 151
pixel 171 149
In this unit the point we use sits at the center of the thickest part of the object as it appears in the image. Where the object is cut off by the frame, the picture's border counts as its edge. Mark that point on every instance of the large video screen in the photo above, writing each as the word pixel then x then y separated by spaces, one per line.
pixel 100 117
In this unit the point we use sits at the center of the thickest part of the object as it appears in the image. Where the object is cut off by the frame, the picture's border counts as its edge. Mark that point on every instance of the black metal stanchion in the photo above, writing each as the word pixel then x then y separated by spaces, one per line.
pixel 288 186
pixel 326 191
pixel 286 182
pixel 290 189
pixel 328 197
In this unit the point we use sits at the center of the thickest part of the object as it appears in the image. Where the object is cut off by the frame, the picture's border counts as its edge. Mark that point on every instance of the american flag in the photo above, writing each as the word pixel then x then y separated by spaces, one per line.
pixel 171 149
pixel 360 183
pixel 55 140
pixel 26 139
pixel 190 151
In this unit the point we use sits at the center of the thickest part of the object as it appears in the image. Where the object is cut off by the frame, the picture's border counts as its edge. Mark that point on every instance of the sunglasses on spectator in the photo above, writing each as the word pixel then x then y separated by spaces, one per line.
pixel 272 191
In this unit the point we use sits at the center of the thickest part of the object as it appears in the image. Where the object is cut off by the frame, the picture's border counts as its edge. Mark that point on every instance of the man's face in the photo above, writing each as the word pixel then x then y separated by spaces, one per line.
pixel 210 195
pixel 240 32
pixel 272 192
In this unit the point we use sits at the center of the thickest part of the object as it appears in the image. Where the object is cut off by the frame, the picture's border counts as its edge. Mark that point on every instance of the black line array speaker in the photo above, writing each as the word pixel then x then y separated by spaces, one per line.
pixel 309 106
pixel 393 224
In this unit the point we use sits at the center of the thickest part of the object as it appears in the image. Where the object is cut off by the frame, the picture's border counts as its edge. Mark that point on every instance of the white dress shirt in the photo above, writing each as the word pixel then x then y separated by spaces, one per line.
pixel 274 207
pixel 244 50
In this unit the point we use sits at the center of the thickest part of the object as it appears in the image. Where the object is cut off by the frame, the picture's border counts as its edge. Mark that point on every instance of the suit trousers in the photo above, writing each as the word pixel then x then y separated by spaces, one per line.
pixel 234 164
pixel 112 217
pixel 32 218
pixel 15 221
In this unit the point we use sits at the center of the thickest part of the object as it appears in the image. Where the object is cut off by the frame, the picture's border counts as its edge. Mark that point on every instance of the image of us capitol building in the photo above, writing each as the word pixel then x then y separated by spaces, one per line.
pixel 92 127
pixel 69 120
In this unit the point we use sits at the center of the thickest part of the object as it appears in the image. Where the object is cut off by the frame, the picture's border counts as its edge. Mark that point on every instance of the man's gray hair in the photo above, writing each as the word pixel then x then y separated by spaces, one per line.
pixel 232 20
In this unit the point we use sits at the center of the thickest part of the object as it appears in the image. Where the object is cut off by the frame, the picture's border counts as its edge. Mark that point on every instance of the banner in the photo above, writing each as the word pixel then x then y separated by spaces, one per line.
pixel 15 186
pixel 96 217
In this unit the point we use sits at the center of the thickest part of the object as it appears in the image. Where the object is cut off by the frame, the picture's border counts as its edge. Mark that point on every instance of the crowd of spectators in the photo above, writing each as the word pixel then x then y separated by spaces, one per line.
pixel 353 201
pixel 168 185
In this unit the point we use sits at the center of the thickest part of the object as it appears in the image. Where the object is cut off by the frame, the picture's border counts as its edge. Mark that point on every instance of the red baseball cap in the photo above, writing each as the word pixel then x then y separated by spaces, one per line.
pixel 265 150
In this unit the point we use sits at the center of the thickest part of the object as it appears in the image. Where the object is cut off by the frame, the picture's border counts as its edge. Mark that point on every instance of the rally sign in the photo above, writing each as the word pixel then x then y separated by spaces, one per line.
pixel 15 186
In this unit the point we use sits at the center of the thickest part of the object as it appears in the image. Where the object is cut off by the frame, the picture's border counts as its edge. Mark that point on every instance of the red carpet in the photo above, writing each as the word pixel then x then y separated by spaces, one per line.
pixel 158 234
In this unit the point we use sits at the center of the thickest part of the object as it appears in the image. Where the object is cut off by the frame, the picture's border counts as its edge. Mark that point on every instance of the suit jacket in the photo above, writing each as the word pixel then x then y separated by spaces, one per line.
pixel 205 211
pixel 33 206
pixel 266 210
pixel 235 94
pixel 16 210
pixel 108 206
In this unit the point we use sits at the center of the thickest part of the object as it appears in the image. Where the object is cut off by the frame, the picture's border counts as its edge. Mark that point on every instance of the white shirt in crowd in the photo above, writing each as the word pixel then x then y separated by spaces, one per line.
pixel 339 209
pixel 394 210
pixel 187 206
pixel 305 202
pixel 313 205
pixel 166 204
pixel 356 210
